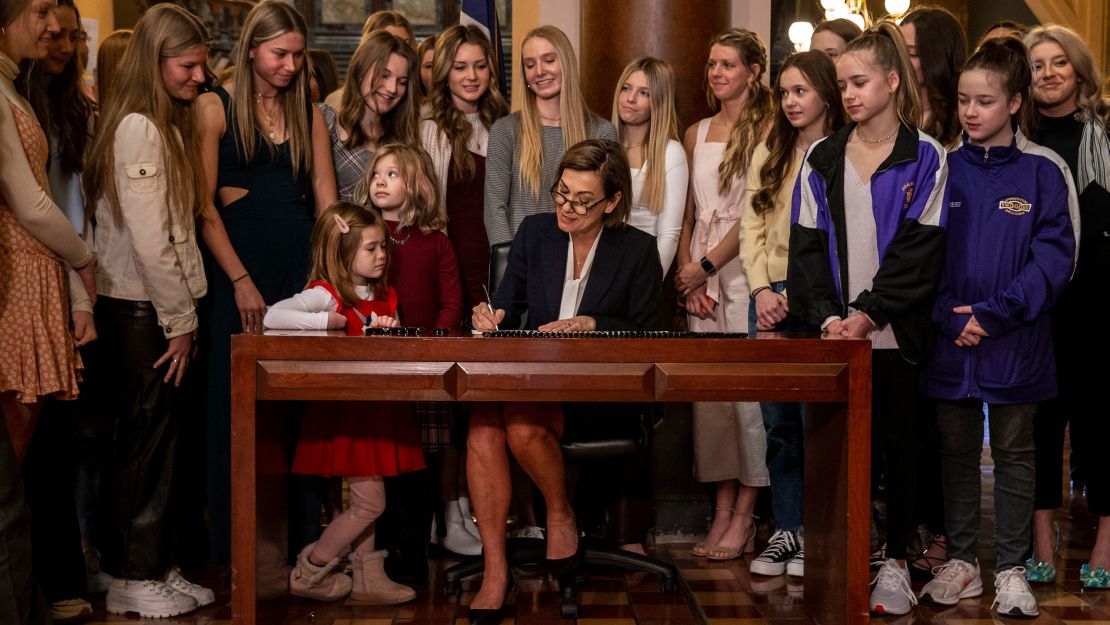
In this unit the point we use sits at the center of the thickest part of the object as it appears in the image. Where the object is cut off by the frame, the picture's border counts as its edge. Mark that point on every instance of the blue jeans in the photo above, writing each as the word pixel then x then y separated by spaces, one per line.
pixel 785 448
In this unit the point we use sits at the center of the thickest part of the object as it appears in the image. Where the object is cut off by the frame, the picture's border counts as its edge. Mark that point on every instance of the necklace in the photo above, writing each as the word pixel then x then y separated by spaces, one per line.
pixel 267 114
pixel 400 242
pixel 873 142
pixel 551 119
pixel 633 147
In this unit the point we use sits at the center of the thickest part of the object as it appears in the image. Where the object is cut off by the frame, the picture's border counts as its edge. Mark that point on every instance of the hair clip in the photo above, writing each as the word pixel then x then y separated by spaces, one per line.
pixel 343 227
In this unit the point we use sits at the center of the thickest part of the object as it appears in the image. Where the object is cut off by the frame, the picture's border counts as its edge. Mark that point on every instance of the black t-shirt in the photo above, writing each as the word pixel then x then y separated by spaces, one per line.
pixel 1061 135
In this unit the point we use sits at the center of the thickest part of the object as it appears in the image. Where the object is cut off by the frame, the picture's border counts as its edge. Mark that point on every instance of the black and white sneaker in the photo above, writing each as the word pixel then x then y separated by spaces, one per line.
pixel 797 565
pixel 783 547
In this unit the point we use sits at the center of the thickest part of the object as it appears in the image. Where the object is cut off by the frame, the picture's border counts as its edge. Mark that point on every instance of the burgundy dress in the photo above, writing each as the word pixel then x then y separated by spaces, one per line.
pixel 423 268
pixel 359 439
pixel 467 230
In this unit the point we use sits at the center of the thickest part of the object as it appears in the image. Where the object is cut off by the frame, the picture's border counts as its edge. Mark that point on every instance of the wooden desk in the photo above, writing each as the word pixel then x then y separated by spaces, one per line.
pixel 833 376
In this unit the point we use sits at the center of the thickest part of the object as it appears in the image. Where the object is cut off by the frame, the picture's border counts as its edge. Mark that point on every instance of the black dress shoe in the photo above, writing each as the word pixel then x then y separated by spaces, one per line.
pixel 492 616
pixel 561 567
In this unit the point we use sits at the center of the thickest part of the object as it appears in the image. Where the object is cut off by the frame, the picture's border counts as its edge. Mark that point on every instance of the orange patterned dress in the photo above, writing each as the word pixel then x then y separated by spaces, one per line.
pixel 38 356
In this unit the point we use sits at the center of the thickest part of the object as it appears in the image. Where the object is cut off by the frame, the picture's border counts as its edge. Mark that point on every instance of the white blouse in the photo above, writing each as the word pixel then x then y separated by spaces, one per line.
pixel 574 288
pixel 665 226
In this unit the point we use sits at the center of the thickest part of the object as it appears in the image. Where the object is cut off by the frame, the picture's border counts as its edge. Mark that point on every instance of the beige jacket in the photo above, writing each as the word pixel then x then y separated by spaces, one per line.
pixel 765 239
pixel 150 253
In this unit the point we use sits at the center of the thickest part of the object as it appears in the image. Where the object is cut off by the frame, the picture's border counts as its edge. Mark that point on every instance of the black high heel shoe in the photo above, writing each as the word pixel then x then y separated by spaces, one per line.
pixel 559 568
pixel 493 616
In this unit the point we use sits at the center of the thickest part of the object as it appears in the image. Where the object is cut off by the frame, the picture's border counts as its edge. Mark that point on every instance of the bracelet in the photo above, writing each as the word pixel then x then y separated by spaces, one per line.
pixel 760 290
pixel 245 275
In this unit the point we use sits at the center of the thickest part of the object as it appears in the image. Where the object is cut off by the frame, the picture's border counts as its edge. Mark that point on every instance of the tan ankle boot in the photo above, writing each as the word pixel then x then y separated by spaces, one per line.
pixel 371 585
pixel 318 582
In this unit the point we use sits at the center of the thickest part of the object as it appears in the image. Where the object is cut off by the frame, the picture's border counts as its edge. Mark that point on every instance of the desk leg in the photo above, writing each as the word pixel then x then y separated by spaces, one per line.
pixel 259 574
pixel 837 513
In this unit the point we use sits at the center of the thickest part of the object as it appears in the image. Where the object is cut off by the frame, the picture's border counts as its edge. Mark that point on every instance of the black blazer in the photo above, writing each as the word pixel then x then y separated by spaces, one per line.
pixel 624 290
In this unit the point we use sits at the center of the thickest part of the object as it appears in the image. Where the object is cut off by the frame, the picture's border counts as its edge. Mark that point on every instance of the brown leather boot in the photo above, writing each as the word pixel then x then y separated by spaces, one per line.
pixel 318 582
pixel 371 585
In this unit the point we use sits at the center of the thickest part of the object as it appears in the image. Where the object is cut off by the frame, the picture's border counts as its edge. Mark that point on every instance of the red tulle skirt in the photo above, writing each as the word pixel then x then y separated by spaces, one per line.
pixel 358 439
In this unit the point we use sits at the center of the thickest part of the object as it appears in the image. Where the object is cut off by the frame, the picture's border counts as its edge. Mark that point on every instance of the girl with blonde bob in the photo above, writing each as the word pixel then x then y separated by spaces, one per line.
pixel 265 151
pixel 378 107
pixel 146 191
pixel 1073 119
pixel 646 123
pixel 525 147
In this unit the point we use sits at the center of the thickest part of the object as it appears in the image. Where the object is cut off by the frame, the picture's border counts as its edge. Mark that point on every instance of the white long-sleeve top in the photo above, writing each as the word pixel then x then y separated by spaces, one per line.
pixel 307 310
pixel 665 226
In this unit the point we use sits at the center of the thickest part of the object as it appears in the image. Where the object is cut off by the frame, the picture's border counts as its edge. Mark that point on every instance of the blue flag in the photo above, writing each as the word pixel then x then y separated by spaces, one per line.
pixel 483 14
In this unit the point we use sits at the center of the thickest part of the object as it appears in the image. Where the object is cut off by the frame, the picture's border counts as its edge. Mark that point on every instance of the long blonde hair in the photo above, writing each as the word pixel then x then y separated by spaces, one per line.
pixel 165 31
pixel 449 120
pixel 662 125
pixel 372 55
pixel 108 56
pixel 1093 105
pixel 421 207
pixel 333 249
pixel 267 21
pixel 758 111
pixel 573 112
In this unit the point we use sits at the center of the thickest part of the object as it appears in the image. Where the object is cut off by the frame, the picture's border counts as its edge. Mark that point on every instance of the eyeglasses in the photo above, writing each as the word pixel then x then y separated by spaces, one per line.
pixel 582 208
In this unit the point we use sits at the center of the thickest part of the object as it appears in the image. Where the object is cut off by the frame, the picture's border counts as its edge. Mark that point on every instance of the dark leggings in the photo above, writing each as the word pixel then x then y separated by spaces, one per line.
pixel 894 392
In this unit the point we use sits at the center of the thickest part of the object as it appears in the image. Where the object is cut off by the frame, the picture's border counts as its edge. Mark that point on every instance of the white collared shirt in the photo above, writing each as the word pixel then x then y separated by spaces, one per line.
pixel 574 288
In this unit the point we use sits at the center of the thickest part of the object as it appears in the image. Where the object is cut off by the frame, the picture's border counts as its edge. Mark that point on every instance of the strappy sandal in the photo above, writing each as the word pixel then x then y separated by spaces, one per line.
pixel 733 553
pixel 700 548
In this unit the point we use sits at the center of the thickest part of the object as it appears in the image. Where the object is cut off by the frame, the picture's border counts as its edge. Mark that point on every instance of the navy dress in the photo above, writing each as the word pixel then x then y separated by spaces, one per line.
pixel 270 228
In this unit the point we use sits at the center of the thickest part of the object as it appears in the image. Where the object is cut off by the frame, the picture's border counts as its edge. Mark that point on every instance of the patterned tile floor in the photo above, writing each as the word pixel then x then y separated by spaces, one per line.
pixel 713 593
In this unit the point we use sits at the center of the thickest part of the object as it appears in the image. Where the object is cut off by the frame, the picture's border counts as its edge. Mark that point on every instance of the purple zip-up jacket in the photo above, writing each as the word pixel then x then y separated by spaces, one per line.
pixel 907 199
pixel 1013 232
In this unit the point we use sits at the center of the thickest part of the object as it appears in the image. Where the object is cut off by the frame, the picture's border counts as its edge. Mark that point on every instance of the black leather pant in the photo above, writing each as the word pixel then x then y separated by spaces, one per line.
pixel 133 532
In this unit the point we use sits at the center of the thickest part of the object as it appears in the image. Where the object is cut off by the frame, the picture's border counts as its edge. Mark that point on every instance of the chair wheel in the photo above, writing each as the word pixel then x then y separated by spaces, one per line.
pixel 568 608
pixel 667 585
pixel 452 589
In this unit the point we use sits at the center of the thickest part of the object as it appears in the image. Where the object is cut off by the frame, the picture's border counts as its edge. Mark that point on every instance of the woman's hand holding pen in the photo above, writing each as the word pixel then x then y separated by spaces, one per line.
pixel 484 318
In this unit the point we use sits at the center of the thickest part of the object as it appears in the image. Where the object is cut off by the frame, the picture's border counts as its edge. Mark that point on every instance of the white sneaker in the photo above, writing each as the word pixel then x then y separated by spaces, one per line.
pixel 1013 595
pixel 150 598
pixel 175 580
pixel 892 593
pixel 796 567
pixel 952 581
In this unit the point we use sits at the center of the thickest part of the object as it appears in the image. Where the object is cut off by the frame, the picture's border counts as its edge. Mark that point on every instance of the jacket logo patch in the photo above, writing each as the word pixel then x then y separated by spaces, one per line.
pixel 908 190
pixel 1015 206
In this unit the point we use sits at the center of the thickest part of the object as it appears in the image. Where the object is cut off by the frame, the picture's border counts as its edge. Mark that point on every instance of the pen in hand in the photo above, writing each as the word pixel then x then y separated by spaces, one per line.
pixel 489 305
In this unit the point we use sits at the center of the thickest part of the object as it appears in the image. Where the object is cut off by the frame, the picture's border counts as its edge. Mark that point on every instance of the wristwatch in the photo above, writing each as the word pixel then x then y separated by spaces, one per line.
pixel 707 265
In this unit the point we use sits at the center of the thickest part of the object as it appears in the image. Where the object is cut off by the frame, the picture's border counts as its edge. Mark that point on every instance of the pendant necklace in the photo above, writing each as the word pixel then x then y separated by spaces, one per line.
pixel 265 113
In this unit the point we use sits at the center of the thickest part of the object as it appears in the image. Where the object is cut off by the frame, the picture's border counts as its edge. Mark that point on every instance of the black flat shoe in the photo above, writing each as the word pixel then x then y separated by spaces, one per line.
pixel 492 616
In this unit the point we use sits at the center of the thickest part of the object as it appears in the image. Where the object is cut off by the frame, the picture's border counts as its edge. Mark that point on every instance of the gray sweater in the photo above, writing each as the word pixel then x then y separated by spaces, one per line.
pixel 507 200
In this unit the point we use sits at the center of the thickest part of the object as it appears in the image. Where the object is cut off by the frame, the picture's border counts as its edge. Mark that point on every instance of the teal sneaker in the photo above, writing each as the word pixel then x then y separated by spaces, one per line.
pixel 1099 578
pixel 1039 572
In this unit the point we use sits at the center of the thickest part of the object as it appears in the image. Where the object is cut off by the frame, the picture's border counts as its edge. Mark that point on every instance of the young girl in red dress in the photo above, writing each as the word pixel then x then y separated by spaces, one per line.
pixel 347 289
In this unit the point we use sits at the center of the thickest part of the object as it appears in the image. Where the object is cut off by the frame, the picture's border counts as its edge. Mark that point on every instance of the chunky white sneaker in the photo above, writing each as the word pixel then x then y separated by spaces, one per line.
pixel 175 580
pixel 1012 594
pixel 150 598
pixel 892 593
pixel 952 581
pixel 796 567
pixel 781 549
